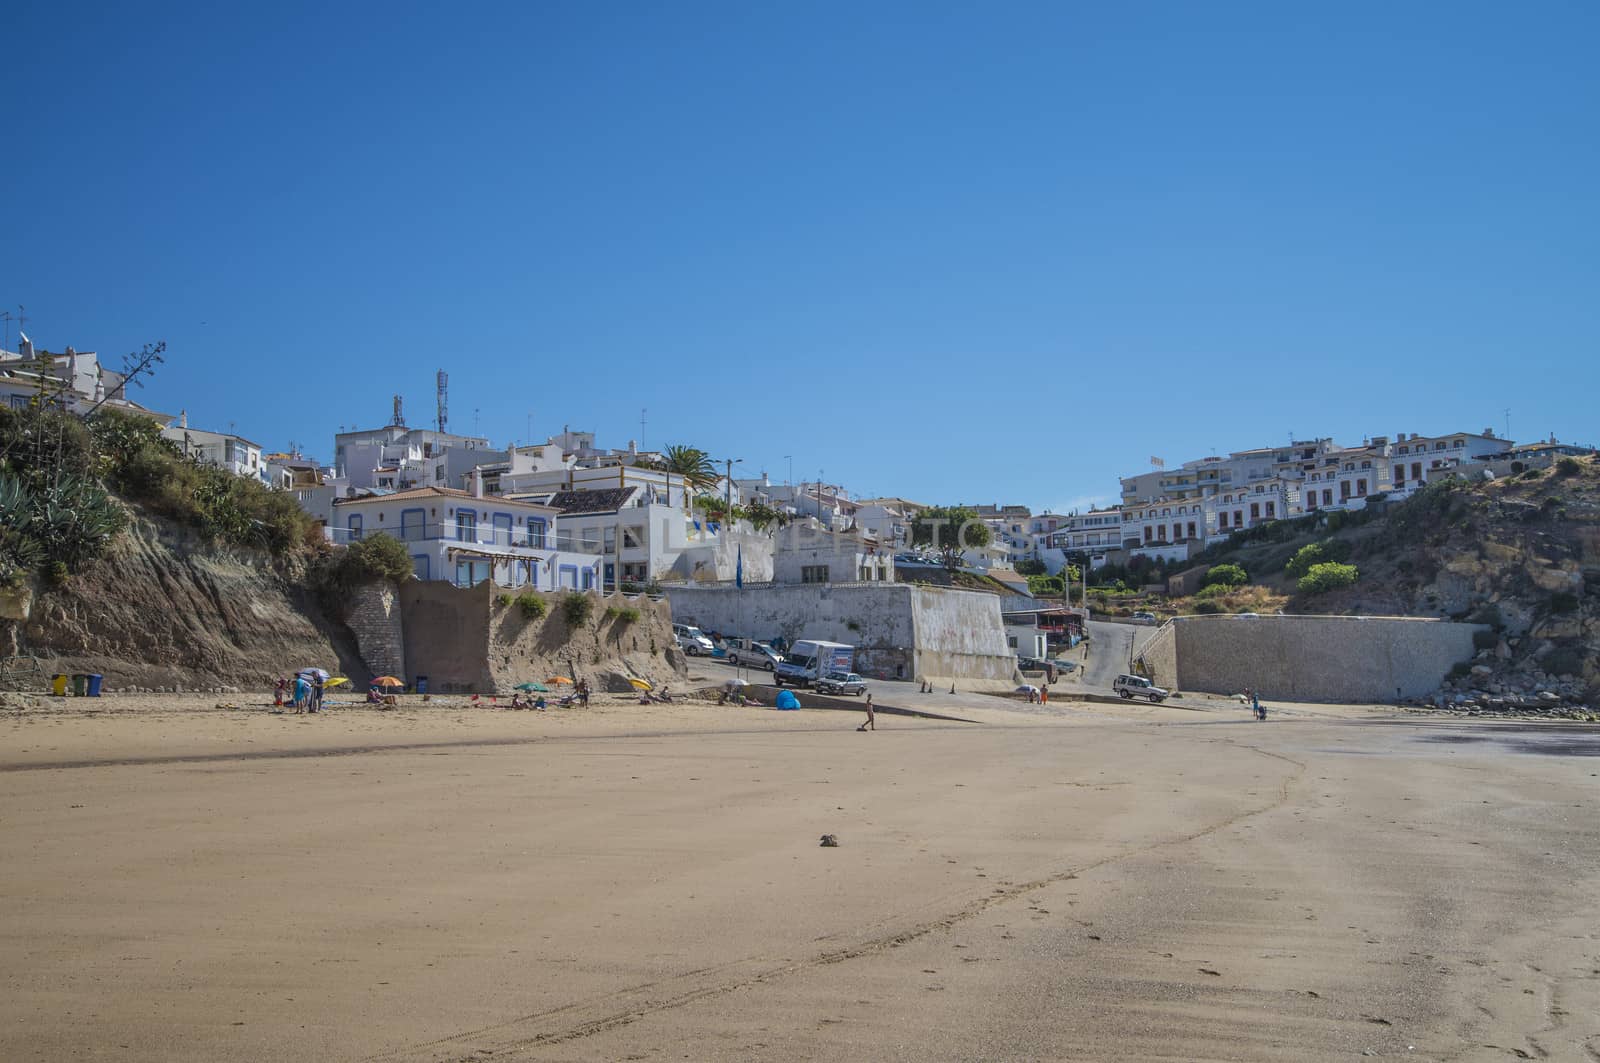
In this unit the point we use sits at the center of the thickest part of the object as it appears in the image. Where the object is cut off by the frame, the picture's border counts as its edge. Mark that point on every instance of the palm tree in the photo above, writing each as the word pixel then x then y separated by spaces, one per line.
pixel 693 464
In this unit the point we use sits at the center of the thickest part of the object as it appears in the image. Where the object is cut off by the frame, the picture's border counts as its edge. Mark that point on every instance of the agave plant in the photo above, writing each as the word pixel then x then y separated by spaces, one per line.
pixel 74 520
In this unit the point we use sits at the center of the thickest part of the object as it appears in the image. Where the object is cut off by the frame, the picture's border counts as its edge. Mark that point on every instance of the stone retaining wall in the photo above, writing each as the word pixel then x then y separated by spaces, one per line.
pixel 1309 658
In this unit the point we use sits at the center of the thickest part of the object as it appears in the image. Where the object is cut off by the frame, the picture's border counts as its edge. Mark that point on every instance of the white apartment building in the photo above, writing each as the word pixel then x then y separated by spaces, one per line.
pixel 397 458
pixel 466 538
pixel 809 552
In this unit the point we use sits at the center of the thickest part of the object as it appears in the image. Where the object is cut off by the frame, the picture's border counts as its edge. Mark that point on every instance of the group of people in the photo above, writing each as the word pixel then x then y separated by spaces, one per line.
pixel 530 702
pixel 652 697
pixel 1253 699
pixel 305 694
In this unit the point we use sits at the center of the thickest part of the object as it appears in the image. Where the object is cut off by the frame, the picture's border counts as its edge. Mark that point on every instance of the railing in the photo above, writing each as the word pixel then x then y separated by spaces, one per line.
pixel 475 535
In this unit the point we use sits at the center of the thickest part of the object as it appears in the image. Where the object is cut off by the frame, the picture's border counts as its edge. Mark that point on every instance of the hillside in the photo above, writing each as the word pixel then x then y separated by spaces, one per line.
pixel 1521 554
pixel 165 608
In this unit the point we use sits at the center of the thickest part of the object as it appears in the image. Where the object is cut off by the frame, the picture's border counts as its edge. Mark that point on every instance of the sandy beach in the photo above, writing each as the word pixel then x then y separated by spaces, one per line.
pixel 452 882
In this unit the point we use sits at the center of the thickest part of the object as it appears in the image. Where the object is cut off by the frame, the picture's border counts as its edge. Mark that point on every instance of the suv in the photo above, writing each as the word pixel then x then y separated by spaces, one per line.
pixel 752 654
pixel 1137 686
pixel 841 683
pixel 692 640
pixel 1143 618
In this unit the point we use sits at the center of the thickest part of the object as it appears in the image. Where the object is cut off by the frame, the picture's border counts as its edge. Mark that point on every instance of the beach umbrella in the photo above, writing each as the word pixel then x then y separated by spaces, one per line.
pixel 734 684
pixel 388 681
pixel 530 687
pixel 1027 688
pixel 340 681
pixel 639 684
pixel 313 673
pixel 558 679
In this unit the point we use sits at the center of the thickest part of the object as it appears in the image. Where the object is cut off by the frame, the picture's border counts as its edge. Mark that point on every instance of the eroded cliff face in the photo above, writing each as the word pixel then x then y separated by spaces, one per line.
pixel 163 609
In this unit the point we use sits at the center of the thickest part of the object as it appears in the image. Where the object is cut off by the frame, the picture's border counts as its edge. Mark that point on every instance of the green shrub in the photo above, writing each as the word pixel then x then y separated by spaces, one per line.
pixel 1215 590
pixel 1568 466
pixel 1308 555
pixel 1228 575
pixel 623 613
pixel 1517 467
pixel 1044 585
pixel 531 605
pixel 1030 567
pixel 1327 576
pixel 1209 607
pixel 577 608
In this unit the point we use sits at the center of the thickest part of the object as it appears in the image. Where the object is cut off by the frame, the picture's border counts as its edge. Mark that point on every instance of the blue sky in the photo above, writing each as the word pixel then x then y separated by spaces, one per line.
pixel 999 253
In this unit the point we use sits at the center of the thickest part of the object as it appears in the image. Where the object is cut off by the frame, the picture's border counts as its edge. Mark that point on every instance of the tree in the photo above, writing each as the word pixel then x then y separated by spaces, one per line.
pixel 762 516
pixel 1328 576
pixel 691 463
pixel 950 530
pixel 1226 575
pixel 1030 567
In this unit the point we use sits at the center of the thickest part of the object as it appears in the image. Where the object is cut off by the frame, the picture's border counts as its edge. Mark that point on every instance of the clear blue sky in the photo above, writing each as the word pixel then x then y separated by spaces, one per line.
pixel 997 253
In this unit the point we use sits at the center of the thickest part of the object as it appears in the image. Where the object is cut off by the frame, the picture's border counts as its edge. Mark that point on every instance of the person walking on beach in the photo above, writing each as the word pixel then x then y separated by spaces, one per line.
pixel 302 691
pixel 871 722
pixel 317 690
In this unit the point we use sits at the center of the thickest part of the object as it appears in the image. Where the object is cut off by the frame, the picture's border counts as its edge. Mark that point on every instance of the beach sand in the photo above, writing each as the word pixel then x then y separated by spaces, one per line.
pixel 450 882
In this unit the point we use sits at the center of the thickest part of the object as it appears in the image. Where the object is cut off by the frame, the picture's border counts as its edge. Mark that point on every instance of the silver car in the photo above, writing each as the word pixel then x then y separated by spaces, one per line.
pixel 841 683
pixel 753 654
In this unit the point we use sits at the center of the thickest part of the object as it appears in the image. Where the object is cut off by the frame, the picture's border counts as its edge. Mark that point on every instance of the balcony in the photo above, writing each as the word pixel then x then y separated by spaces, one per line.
pixel 496 539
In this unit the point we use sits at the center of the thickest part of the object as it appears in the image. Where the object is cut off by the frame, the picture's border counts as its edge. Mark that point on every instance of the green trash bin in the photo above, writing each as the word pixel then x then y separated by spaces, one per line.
pixel 80 685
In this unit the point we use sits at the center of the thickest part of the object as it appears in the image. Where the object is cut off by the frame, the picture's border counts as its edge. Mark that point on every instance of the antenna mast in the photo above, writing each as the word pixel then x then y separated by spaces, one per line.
pixel 399 417
pixel 444 399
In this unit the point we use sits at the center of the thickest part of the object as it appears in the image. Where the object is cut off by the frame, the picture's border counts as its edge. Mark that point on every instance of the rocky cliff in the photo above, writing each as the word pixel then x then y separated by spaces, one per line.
pixel 165 610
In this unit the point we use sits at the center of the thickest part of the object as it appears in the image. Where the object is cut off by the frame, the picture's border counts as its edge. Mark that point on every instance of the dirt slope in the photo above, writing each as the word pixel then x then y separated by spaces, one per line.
pixel 164 610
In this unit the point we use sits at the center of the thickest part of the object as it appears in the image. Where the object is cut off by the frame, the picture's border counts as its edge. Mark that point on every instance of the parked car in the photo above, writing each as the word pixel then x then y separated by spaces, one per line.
pixel 693 641
pixel 1144 618
pixel 1035 664
pixel 841 683
pixel 1137 686
pixel 752 654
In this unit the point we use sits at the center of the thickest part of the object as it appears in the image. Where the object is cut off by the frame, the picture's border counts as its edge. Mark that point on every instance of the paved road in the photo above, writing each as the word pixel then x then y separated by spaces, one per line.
pixel 1110 646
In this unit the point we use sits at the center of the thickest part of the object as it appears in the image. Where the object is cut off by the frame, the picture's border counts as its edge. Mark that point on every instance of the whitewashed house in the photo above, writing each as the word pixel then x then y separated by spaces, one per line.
pixel 237 454
pixel 466 538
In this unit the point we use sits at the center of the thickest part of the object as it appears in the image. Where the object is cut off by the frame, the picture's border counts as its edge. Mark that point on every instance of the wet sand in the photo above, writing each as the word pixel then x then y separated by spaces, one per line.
pixel 450 883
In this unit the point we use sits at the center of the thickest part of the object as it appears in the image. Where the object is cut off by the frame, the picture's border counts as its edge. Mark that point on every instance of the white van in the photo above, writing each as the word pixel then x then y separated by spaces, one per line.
pixel 806 660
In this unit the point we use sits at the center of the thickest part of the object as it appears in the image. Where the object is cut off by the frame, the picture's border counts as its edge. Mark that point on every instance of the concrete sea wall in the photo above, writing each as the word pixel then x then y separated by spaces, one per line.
pixel 1309 658
pixel 900 631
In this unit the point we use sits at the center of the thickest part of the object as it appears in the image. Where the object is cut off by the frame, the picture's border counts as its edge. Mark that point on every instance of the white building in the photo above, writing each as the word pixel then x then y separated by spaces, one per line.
pixel 73 381
pixel 466 538
pixel 808 552
pixel 397 458
pixel 225 450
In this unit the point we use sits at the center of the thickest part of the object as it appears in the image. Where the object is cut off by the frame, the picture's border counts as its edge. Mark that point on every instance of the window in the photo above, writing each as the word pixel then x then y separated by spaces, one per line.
pixel 814 574
pixel 1222 521
pixel 1011 640
pixel 1238 518
pixel 355 526
pixel 1191 529
pixel 610 539
pixel 536 532
pixel 1399 475
pixel 1255 511
pixel 1458 443
pixel 1361 488
pixel 1344 490
pixel 466 529
pixel 633 537
pixel 1271 510
pixel 1311 500
pixel 1327 497
pixel 1416 470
